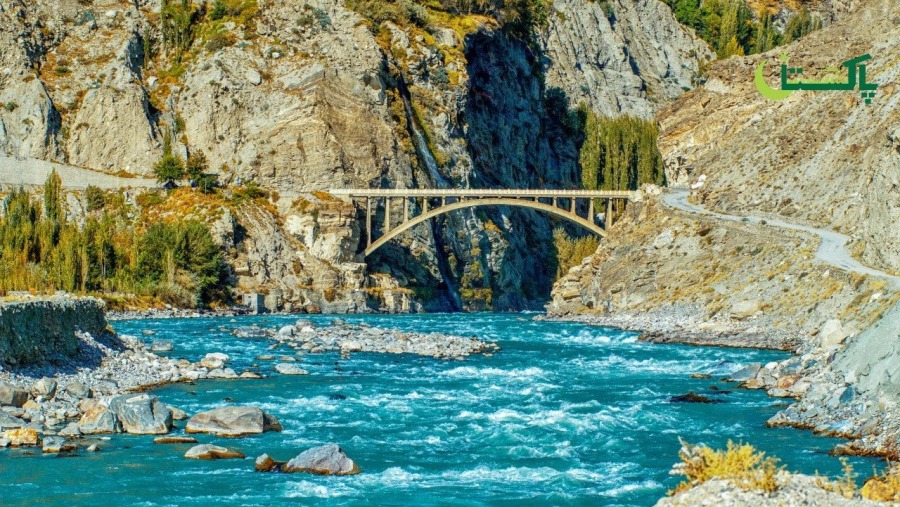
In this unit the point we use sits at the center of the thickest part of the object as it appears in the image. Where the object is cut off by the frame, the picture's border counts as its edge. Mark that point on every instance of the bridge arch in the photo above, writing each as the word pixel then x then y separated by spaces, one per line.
pixel 488 201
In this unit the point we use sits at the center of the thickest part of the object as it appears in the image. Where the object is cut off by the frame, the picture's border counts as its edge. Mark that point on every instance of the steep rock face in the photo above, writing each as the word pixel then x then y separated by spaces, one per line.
pixel 32 332
pixel 28 120
pixel 620 57
pixel 499 127
pixel 306 114
pixel 113 110
pixel 821 158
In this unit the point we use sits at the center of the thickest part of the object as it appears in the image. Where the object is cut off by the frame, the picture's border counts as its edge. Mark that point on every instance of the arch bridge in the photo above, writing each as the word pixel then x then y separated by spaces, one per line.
pixel 418 205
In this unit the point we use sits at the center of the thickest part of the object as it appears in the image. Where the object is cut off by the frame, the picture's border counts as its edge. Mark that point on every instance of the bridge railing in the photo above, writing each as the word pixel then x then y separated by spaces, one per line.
pixel 482 192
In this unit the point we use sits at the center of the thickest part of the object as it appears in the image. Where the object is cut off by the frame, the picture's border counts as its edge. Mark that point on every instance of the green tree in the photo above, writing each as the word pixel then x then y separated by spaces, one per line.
pixel 767 36
pixel 177 25
pixel 219 10
pixel 169 168
pixel 95 197
pixel 53 197
pixel 800 24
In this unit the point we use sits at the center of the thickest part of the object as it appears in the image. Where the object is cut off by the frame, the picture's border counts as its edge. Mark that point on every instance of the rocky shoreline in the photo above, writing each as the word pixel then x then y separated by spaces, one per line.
pixel 671 324
pixel 101 388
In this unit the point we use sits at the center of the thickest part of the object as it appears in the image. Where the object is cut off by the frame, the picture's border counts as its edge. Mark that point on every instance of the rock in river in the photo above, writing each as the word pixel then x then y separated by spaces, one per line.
pixel 99 419
pixel 233 422
pixel 692 397
pixel 290 369
pixel 175 440
pixel 209 451
pixel 161 346
pixel 214 360
pixel 22 437
pixel 142 414
pixel 746 373
pixel 265 463
pixel 55 445
pixel 328 459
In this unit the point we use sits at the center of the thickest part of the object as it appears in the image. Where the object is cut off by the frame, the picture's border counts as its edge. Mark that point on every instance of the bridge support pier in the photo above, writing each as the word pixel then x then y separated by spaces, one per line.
pixel 368 220
pixel 608 217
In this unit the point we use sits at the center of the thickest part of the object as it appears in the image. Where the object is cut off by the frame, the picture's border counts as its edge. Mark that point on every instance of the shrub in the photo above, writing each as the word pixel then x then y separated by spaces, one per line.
pixel 322 17
pixel 218 41
pixel 743 465
pixel 884 487
pixel 168 168
pixel 571 251
pixel 95 197
pixel 219 10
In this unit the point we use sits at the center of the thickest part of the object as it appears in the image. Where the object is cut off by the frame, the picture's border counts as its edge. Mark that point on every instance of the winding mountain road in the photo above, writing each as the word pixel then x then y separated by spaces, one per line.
pixel 832 249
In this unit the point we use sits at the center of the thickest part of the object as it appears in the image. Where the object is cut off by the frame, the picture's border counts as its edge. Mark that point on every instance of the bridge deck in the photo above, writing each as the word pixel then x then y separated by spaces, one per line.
pixel 480 192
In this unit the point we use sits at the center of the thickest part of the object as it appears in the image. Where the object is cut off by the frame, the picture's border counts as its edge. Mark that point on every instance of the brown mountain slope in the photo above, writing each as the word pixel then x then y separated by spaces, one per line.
pixel 820 158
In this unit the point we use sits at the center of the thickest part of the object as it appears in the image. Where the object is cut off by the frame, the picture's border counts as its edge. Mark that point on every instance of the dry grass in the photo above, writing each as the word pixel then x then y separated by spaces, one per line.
pixel 742 464
pixel 845 486
pixel 883 488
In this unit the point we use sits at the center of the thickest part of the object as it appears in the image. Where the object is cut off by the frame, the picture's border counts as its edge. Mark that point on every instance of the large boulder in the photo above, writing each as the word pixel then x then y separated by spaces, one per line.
pixel 12 395
pixel 290 369
pixel 746 373
pixel 55 445
pixel 209 451
pixel 214 360
pixel 832 333
pixel 328 459
pixel 142 414
pixel 233 422
pixel 45 387
pixel 78 390
pixel 265 463
pixel 9 422
pixel 99 419
pixel 23 437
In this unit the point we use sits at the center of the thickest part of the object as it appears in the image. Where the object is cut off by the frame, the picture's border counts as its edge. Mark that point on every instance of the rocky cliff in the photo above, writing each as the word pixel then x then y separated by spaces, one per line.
pixel 303 96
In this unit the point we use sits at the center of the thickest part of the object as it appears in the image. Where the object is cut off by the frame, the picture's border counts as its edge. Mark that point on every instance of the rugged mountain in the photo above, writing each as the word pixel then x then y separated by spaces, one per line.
pixel 820 158
pixel 824 159
pixel 301 97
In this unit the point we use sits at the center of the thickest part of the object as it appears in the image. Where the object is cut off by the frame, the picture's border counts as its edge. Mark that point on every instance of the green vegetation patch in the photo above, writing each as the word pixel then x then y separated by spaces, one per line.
pixel 42 250
pixel 731 28
pixel 620 153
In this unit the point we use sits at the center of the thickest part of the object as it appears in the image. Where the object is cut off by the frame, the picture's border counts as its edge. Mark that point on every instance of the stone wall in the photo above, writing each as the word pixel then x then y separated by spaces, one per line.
pixel 34 331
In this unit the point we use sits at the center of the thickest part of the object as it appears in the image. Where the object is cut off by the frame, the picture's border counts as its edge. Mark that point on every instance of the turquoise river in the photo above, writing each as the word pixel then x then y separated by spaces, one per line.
pixel 564 414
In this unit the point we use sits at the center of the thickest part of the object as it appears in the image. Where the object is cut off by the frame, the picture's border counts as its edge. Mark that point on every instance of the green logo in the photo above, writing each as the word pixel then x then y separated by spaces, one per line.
pixel 791 81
